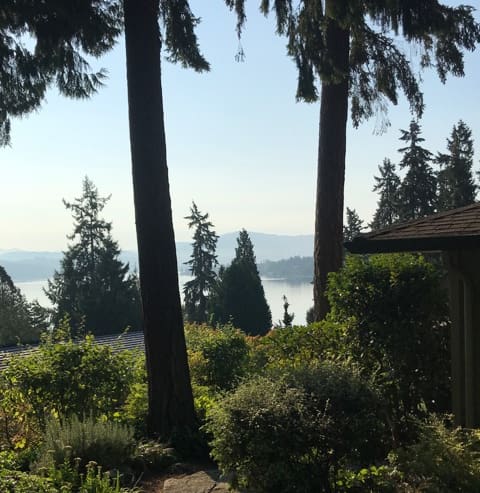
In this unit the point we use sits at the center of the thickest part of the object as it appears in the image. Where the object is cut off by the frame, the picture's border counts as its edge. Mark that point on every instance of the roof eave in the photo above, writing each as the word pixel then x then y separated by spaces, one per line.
pixel 362 244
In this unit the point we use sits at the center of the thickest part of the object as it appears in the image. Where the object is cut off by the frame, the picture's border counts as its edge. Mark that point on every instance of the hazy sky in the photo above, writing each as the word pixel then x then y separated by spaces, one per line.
pixel 238 143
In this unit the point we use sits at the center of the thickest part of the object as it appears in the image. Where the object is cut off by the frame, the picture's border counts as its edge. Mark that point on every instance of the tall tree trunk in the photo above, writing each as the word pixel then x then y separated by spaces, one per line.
pixel 328 249
pixel 170 401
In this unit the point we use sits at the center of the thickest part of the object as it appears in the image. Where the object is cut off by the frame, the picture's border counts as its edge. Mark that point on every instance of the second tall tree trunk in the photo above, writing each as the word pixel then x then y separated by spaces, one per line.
pixel 328 249
pixel 170 401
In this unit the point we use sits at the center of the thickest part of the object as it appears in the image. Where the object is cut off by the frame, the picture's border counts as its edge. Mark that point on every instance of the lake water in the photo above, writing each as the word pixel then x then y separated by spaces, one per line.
pixel 299 294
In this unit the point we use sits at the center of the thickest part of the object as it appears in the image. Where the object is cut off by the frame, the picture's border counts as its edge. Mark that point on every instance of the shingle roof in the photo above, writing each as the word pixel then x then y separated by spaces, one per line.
pixel 451 230
pixel 119 342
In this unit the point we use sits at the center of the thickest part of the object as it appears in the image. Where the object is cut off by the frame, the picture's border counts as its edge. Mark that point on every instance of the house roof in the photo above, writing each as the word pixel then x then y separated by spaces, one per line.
pixel 450 230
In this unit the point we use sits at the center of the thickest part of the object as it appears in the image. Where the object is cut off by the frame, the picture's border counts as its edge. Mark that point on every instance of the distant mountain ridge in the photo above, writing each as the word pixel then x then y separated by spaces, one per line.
pixel 24 265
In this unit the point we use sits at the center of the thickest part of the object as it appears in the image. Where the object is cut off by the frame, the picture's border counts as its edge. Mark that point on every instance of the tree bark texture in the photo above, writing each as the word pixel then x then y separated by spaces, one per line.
pixel 328 248
pixel 170 401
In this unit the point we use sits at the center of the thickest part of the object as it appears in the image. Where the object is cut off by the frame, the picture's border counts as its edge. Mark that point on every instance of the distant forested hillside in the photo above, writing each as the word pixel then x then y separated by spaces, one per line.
pixel 291 268
pixel 32 266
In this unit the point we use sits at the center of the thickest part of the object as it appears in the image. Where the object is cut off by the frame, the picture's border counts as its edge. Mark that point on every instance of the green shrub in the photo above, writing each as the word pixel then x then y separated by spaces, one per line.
pixel 373 479
pixel 358 432
pixel 107 443
pixel 62 377
pixel 443 460
pixel 291 432
pixel 395 314
pixel 264 435
pixel 21 482
pixel 294 346
pixel 217 357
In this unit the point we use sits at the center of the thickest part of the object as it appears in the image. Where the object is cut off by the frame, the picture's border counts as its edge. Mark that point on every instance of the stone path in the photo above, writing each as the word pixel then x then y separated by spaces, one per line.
pixel 199 482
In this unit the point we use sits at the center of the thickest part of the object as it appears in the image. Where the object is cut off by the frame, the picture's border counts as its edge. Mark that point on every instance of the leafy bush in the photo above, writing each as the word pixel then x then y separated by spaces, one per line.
pixel 108 444
pixel 217 357
pixel 294 346
pixel 443 459
pixel 373 479
pixel 264 435
pixel 291 432
pixel 21 482
pixel 62 377
pixel 395 313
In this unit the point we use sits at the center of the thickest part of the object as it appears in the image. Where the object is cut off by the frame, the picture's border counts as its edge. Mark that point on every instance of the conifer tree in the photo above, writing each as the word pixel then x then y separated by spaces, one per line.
pixel 287 316
pixel 349 50
pixel 418 188
pixel 17 322
pixel 456 183
pixel 388 186
pixel 354 225
pixel 202 266
pixel 93 287
pixel 239 297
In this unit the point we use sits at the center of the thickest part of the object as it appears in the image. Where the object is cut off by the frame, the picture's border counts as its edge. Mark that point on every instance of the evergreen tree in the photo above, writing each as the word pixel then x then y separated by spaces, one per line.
pixel 47 43
pixel 239 297
pixel 418 189
pixel 354 225
pixel 16 322
pixel 456 183
pixel 388 186
pixel 202 266
pixel 93 287
pixel 350 49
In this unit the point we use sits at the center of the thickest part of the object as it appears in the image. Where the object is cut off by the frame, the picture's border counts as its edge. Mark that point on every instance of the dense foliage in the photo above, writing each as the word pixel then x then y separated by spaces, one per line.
pixel 62 377
pixel 218 357
pixel 274 432
pixel 395 315
pixel 94 288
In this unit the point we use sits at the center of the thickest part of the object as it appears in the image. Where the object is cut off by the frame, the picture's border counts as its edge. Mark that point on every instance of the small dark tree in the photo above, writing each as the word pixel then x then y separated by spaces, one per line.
pixel 418 189
pixel 287 316
pixel 202 266
pixel 354 225
pixel 388 186
pixel 456 183
pixel 93 287
pixel 239 296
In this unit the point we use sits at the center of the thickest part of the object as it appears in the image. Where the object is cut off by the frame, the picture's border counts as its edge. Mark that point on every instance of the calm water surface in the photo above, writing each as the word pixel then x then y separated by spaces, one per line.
pixel 299 294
